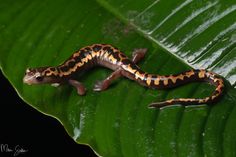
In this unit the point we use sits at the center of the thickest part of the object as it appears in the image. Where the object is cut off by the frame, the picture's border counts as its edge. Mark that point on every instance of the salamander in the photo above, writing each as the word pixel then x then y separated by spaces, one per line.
pixel 110 57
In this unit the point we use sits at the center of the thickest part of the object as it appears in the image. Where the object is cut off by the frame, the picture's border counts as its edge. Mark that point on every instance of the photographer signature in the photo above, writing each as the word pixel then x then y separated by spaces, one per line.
pixel 15 151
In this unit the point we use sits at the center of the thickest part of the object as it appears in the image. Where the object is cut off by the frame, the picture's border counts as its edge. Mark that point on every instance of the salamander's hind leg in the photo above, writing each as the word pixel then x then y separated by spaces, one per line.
pixel 81 90
pixel 104 84
pixel 137 55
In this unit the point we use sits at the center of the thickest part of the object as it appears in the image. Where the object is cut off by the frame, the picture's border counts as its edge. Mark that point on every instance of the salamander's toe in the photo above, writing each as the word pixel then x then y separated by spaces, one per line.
pixel 100 86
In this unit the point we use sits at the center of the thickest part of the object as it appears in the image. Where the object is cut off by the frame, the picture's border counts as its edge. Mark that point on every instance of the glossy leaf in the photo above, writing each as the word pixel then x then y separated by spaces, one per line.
pixel 117 122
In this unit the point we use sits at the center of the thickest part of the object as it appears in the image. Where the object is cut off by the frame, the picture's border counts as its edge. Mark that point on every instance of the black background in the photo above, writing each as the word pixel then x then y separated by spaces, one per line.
pixel 40 134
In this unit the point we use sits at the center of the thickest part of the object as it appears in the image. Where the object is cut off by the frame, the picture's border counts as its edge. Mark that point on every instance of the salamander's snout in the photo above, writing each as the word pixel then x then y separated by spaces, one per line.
pixel 32 76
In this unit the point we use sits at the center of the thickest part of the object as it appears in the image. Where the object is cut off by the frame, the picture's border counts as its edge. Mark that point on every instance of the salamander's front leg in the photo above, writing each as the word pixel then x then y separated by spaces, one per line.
pixel 81 90
pixel 137 55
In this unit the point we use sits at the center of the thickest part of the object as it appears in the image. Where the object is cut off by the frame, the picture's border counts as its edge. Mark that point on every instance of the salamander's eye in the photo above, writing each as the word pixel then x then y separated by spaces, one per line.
pixel 39 78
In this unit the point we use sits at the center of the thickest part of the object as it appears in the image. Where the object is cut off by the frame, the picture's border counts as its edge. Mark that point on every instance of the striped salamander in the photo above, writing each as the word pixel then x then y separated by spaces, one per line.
pixel 110 57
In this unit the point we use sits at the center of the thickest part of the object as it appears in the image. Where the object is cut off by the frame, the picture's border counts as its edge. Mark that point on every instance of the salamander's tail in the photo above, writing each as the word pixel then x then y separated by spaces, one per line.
pixel 198 75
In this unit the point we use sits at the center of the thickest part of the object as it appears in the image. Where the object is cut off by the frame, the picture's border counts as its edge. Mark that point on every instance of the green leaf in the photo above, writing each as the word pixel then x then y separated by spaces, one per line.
pixel 178 34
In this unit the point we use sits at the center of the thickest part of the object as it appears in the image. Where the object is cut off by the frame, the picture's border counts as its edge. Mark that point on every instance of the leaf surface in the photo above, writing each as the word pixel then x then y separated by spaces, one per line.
pixel 179 35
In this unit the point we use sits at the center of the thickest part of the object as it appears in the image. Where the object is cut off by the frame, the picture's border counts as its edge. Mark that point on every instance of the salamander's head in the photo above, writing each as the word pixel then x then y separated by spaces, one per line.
pixel 37 76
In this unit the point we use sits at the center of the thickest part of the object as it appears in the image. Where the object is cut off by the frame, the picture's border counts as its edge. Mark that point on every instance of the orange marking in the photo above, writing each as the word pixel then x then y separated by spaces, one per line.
pixel 48 72
pixel 98 53
pixel 140 76
pixel 55 73
pixel 169 101
pixel 89 57
pixel 85 60
pixel 190 73
pixel 80 64
pixel 76 54
pixel 181 77
pixel 129 69
pixel 173 79
pixel 68 72
pixel 207 98
pixel 201 74
pixel 213 97
pixel 94 54
pixel 165 81
pixel 157 81
pixel 112 59
pixel 201 100
pixel 106 55
pixel 149 79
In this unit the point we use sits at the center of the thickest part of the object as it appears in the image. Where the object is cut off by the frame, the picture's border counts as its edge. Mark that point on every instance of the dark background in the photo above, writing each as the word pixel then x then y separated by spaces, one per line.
pixel 40 134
